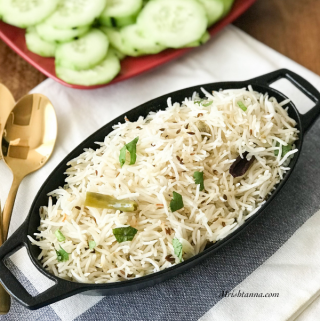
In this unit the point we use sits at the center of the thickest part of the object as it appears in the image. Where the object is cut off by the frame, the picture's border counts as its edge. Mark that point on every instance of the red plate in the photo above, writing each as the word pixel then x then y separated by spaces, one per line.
pixel 130 66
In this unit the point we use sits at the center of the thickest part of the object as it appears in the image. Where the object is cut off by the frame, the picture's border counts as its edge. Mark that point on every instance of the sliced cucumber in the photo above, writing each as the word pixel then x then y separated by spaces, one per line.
pixel 118 53
pixel 120 13
pixel 52 34
pixel 83 53
pixel 75 13
pixel 173 23
pixel 227 6
pixel 205 37
pixel 39 46
pixel 214 8
pixel 133 37
pixel 116 40
pixel 100 74
pixel 25 13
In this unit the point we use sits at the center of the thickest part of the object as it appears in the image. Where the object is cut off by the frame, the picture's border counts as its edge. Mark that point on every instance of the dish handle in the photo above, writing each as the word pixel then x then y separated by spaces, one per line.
pixel 60 290
pixel 300 83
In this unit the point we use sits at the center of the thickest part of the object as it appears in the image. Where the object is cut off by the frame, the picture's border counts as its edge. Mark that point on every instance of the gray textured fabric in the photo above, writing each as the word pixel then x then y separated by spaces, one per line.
pixel 189 296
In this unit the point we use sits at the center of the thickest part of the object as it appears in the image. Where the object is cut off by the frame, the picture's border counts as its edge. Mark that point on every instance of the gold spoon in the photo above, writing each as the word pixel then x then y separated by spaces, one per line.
pixel 6 104
pixel 28 140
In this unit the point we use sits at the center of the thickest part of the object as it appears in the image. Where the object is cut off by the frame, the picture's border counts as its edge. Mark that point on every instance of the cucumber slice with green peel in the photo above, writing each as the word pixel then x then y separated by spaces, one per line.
pixel 116 40
pixel 52 34
pixel 120 13
pixel 214 9
pixel 133 37
pixel 75 13
pixel 83 53
pixel 117 22
pixel 173 23
pixel 118 53
pixel 227 6
pixel 100 74
pixel 114 37
pixel 205 37
pixel 39 46
pixel 25 13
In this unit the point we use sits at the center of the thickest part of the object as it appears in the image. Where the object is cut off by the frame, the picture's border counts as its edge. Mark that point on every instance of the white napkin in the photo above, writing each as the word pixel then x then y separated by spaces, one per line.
pixel 231 55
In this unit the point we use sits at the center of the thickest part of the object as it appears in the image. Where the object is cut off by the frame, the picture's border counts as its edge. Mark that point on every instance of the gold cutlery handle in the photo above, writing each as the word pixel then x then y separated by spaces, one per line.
pixel 4 296
pixel 4 227
pixel 8 207
pixel 5 301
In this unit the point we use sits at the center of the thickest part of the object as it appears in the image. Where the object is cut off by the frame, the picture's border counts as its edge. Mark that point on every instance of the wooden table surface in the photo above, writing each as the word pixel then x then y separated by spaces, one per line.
pixel 291 27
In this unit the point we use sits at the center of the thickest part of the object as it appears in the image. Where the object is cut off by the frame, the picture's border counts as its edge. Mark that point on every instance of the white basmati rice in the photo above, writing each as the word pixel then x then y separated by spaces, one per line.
pixel 170 149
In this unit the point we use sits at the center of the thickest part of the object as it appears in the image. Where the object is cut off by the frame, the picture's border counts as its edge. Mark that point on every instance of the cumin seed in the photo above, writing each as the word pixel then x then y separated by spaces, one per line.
pixel 178 131
pixel 162 129
pixel 191 133
pixel 180 160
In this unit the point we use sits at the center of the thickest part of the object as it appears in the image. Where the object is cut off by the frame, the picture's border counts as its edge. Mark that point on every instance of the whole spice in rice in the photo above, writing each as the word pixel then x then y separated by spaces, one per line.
pixel 240 166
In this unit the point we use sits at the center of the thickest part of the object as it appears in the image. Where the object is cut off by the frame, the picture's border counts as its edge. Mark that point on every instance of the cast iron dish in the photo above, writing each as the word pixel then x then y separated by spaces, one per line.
pixel 63 288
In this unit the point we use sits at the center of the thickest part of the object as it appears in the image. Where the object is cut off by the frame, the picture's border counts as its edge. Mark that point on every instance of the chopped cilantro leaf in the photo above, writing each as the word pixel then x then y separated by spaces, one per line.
pixel 198 179
pixel 177 246
pixel 176 202
pixel 124 234
pixel 132 149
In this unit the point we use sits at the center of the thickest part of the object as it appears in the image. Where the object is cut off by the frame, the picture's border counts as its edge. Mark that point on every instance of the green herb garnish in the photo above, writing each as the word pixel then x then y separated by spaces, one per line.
pixel 132 149
pixel 177 246
pixel 198 179
pixel 203 102
pixel 62 255
pixel 92 245
pixel 124 234
pixel 198 101
pixel 242 105
pixel 176 202
pixel 207 104
pixel 284 149
pixel 59 235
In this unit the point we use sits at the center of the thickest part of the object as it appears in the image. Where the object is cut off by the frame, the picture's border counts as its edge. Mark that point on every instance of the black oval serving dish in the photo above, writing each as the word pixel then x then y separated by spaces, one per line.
pixel 62 288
